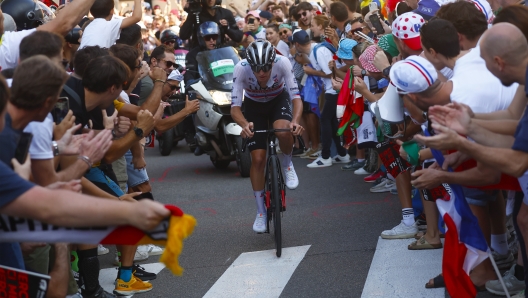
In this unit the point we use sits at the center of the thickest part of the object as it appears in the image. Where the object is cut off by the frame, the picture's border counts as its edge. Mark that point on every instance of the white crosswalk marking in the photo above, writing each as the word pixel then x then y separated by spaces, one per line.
pixel 258 274
pixel 398 272
pixel 108 276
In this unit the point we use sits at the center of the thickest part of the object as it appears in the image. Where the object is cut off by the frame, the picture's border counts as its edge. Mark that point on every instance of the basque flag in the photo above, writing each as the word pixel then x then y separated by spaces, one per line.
pixel 465 246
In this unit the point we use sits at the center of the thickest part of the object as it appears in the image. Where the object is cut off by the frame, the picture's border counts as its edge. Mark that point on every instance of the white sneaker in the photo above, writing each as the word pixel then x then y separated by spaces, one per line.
pixel 155 250
pixel 315 155
pixel 400 231
pixel 320 162
pixel 101 250
pixel 290 177
pixel 361 171
pixel 503 261
pixel 141 255
pixel 513 285
pixel 259 225
pixel 341 159
pixel 384 186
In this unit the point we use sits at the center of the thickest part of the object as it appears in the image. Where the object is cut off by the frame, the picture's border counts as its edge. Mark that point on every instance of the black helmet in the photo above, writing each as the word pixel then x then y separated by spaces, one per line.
pixel 208 28
pixel 260 55
pixel 169 35
pixel 28 14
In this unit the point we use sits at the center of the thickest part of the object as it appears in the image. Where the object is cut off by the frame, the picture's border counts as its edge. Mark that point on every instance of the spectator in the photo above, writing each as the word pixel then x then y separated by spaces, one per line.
pixel 285 32
pixel 272 35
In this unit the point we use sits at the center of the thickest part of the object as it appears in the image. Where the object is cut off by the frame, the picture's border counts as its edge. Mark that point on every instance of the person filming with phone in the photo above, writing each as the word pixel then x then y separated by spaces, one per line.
pixel 209 11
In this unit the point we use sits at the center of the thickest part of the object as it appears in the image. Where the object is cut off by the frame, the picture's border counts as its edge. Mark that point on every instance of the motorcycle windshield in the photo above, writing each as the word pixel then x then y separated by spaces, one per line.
pixel 216 68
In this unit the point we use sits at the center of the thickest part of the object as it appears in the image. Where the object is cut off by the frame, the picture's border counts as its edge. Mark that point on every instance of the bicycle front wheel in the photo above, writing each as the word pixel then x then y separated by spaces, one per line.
pixel 276 201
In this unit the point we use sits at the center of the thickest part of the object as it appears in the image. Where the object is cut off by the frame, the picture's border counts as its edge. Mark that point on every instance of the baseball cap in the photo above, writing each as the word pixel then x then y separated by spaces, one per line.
pixel 386 43
pixel 345 48
pixel 367 58
pixel 300 36
pixel 157 7
pixel 265 14
pixel 485 8
pixel 253 13
pixel 175 75
pixel 427 9
pixel 413 75
pixel 407 28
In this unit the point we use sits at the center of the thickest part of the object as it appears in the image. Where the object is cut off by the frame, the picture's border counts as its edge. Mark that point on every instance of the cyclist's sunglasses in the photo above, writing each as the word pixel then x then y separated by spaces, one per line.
pixel 303 14
pixel 258 68
pixel 211 37
pixel 283 32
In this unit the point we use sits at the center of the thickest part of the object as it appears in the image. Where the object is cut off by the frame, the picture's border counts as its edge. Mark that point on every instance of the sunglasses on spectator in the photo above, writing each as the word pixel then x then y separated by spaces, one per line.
pixel 283 32
pixel 170 41
pixel 303 14
pixel 173 87
pixel 258 68
pixel 139 66
pixel 170 64
pixel 360 29
pixel 211 37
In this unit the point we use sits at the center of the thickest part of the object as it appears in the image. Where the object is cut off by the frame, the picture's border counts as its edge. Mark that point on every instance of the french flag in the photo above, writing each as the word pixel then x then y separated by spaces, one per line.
pixel 465 246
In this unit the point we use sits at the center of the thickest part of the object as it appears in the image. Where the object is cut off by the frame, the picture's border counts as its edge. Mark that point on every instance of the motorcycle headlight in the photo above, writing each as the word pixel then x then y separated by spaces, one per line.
pixel 221 98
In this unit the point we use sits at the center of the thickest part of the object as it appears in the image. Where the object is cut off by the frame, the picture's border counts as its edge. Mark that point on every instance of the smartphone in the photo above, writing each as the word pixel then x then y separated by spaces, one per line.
pixel 376 23
pixel 251 21
pixel 22 149
pixel 61 109
pixel 373 6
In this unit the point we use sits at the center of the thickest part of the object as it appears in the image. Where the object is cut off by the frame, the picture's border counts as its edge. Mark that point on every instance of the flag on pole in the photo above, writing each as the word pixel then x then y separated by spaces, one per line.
pixel 465 246
pixel 170 233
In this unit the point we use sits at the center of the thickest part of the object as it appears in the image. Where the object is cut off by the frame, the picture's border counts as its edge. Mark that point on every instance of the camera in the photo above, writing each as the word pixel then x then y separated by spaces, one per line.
pixel 194 6
pixel 73 36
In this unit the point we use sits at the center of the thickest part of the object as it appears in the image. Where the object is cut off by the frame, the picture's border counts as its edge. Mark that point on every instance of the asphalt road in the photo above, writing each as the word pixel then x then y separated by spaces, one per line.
pixel 331 210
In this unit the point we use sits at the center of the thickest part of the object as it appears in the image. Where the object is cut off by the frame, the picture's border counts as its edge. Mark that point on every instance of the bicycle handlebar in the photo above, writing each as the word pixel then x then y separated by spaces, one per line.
pixel 273 130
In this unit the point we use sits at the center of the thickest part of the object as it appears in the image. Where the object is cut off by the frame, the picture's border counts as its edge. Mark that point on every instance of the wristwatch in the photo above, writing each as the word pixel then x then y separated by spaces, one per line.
pixel 386 71
pixel 138 131
pixel 55 148
pixel 363 72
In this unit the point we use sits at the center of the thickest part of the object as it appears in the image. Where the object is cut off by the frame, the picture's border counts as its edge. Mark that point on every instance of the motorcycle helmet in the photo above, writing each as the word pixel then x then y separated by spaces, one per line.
pixel 260 55
pixel 28 14
pixel 208 28
pixel 169 35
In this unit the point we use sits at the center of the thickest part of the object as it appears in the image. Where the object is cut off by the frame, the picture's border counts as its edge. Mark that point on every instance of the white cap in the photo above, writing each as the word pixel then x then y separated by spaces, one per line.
pixel 175 75
pixel 413 75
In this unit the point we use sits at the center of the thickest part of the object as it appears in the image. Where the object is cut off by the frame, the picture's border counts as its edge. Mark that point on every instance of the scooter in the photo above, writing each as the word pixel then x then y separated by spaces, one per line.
pixel 216 132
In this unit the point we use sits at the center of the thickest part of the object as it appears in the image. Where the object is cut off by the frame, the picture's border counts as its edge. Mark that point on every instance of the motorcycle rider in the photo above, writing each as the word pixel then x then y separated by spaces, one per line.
pixel 270 90
pixel 208 39
pixel 209 11
pixel 169 38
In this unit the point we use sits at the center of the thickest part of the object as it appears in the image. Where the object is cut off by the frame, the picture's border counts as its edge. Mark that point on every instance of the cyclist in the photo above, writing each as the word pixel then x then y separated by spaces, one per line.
pixel 270 90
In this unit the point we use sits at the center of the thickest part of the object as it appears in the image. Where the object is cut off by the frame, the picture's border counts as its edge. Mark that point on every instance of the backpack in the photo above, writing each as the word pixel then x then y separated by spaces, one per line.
pixel 325 44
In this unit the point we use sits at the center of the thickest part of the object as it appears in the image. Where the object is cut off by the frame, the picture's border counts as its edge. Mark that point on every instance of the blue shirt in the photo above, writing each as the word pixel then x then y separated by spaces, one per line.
pixel 11 187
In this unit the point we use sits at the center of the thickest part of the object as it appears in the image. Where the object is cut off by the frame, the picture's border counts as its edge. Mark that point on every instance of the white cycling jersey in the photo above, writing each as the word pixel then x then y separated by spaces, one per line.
pixel 281 77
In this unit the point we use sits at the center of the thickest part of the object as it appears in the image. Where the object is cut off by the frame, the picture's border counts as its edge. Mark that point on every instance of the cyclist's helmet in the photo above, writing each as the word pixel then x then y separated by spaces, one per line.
pixel 168 36
pixel 28 14
pixel 208 29
pixel 260 55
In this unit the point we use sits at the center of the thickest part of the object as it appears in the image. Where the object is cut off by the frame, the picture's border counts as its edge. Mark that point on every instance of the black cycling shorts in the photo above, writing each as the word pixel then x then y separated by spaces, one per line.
pixel 264 114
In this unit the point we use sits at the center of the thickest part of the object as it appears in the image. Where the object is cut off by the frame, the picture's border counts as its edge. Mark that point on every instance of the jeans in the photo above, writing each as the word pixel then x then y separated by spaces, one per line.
pixel 329 126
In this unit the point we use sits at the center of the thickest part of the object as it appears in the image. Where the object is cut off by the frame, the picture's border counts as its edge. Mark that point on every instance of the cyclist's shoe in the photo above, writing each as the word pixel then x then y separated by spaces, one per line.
pixel 140 273
pixel 320 162
pixel 400 231
pixel 341 159
pixel 290 177
pixel 260 223
pixel 134 285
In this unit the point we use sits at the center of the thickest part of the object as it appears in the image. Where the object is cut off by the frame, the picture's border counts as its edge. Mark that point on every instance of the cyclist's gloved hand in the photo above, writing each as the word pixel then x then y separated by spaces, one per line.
pixel 296 129
pixel 247 130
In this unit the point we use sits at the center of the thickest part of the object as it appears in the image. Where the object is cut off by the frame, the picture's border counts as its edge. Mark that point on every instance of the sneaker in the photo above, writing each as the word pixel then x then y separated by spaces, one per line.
pixel 320 162
pixel 361 171
pixel 101 250
pixel 259 225
pixel 297 151
pixel 503 261
pixel 384 186
pixel 133 286
pixel 315 155
pixel 341 159
pixel 400 231
pixel 378 181
pixel 513 285
pixel 140 255
pixel 519 295
pixel 290 177
pixel 140 273
pixel 354 165
pixel 155 250
pixel 99 293
pixel 308 152
pixel 374 176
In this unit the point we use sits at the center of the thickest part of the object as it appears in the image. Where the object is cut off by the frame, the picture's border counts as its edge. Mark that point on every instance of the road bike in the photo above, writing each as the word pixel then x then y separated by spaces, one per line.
pixel 275 187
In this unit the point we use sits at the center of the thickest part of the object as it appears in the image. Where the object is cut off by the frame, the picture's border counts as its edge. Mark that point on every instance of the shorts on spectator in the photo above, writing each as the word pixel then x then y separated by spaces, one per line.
pixel 98 177
pixel 483 198
pixel 135 177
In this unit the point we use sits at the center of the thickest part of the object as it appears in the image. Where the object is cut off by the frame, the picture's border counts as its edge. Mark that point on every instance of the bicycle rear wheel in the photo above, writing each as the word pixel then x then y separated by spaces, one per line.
pixel 276 201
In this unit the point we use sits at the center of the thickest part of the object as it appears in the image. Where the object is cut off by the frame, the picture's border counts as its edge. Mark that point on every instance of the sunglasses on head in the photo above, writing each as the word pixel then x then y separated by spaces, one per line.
pixel 258 68
pixel 211 37
pixel 303 14
pixel 283 32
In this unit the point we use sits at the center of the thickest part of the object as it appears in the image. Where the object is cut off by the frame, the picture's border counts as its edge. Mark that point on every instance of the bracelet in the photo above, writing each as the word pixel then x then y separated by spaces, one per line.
pixel 158 80
pixel 86 159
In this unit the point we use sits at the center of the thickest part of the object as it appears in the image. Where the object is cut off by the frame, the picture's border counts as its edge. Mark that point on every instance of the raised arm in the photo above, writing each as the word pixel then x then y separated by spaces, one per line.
pixel 69 17
pixel 135 17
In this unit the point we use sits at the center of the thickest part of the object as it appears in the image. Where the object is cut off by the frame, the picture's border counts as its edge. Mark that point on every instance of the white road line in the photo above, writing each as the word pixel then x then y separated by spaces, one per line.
pixel 258 274
pixel 108 276
pixel 398 272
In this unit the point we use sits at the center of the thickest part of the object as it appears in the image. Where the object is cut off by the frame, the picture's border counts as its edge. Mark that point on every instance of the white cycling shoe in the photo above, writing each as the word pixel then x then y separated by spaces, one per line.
pixel 290 177
pixel 259 225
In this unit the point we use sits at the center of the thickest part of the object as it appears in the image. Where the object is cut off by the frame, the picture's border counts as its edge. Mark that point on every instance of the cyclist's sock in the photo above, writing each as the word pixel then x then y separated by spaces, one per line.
pixel 259 197
pixel 285 160
pixel 125 273
pixel 408 216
